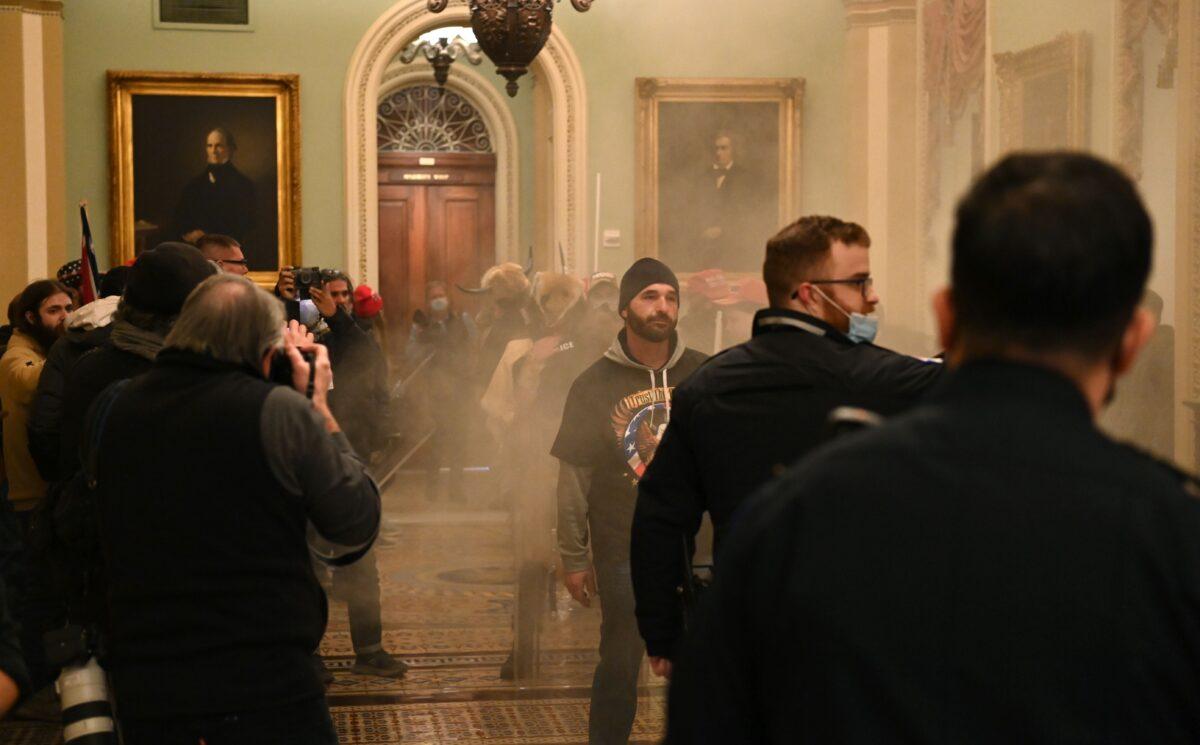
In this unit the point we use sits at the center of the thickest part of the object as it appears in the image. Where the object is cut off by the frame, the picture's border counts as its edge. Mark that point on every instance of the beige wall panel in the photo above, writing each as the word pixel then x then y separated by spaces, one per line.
pixel 13 267
pixel 52 60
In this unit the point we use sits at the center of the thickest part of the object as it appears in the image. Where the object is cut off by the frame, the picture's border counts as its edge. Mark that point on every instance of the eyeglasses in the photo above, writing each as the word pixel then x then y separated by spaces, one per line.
pixel 239 262
pixel 865 284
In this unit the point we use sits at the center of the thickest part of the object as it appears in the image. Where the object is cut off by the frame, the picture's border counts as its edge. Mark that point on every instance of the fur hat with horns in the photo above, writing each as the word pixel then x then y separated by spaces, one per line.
pixel 556 295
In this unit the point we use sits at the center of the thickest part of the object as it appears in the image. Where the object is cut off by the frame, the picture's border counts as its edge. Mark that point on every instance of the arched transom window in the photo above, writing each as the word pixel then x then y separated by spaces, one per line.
pixel 425 118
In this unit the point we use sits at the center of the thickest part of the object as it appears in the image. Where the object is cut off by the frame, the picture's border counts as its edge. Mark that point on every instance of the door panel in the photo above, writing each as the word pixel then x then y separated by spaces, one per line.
pixel 436 222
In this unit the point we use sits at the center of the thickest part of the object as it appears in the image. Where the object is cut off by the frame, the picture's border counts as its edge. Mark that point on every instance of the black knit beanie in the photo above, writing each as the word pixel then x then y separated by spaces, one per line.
pixel 642 274
pixel 162 277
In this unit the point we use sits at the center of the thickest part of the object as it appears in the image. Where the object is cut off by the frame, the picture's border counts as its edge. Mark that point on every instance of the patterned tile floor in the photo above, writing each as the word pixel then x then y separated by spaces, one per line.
pixel 446 578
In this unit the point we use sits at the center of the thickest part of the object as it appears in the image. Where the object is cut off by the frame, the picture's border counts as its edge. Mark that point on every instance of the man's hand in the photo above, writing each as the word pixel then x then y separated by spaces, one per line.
pixel 661 667
pixel 285 286
pixel 323 301
pixel 193 235
pixel 298 334
pixel 296 339
pixel 581 585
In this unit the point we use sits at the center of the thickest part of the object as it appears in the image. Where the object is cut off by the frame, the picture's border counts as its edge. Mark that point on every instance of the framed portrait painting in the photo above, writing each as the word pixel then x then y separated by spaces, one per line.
pixel 196 153
pixel 1045 95
pixel 718 169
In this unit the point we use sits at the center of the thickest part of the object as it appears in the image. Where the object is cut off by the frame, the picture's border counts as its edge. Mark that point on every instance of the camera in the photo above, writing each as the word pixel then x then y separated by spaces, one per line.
pixel 281 368
pixel 307 277
pixel 87 715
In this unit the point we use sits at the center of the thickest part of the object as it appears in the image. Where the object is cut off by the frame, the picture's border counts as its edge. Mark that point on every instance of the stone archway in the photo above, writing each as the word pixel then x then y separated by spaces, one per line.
pixel 558 68
pixel 505 141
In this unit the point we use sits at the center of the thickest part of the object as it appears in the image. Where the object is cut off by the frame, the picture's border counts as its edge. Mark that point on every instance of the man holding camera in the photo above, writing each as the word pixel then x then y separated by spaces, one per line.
pixel 359 401
pixel 214 609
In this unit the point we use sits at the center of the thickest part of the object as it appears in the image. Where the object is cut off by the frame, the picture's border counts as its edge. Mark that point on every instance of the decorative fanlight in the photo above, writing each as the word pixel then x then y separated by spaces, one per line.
pixel 511 32
pixel 441 54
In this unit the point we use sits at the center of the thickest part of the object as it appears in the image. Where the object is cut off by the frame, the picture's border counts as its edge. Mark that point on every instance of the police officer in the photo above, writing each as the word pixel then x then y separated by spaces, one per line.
pixel 760 405
pixel 989 568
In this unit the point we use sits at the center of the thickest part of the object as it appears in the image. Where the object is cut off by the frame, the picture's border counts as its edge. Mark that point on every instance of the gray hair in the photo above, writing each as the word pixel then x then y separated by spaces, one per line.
pixel 229 318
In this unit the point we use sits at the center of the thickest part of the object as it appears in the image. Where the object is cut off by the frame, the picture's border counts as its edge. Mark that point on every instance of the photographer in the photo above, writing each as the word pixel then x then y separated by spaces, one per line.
pixel 218 555
pixel 358 400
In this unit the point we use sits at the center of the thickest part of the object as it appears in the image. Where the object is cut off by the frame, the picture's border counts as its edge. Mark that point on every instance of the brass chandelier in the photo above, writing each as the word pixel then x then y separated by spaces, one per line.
pixel 511 32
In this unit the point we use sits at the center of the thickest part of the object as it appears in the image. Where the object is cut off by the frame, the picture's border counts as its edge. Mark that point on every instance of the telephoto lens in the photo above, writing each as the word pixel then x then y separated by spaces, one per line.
pixel 87 714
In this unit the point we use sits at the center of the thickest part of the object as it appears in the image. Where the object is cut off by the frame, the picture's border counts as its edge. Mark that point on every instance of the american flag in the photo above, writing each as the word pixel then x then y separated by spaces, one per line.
pixel 88 271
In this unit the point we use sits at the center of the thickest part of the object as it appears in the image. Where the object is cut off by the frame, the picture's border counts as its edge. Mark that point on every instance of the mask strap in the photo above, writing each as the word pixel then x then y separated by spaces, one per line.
pixel 830 301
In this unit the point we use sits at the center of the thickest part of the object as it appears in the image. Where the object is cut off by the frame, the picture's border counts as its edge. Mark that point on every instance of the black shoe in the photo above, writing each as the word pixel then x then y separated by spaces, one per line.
pixel 380 664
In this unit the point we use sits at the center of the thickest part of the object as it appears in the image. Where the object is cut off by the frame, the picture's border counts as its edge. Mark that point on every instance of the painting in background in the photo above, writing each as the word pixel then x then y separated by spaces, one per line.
pixel 1045 94
pixel 718 165
pixel 197 154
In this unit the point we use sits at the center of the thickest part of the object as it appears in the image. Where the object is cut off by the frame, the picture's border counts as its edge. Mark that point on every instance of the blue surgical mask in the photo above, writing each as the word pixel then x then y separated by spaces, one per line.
pixel 863 329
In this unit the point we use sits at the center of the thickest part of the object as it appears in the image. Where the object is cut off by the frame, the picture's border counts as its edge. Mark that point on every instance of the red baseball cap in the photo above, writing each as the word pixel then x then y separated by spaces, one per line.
pixel 367 302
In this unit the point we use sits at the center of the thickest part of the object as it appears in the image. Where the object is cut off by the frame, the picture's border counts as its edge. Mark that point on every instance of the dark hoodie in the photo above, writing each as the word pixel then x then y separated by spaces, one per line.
pixel 614 416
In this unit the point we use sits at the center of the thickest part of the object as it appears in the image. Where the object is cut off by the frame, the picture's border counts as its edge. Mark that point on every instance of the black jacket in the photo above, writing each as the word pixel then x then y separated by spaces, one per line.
pixel 741 418
pixel 989 568
pixel 213 603
pixel 46 416
pixel 359 399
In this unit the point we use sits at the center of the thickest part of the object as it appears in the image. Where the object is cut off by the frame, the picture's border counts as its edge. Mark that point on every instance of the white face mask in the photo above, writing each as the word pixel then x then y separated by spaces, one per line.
pixel 863 329
pixel 439 305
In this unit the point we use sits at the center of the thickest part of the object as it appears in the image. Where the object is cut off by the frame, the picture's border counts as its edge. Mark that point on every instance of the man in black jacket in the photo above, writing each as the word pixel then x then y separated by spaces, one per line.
pixel 360 403
pixel 759 406
pixel 989 568
pixel 85 329
pixel 208 477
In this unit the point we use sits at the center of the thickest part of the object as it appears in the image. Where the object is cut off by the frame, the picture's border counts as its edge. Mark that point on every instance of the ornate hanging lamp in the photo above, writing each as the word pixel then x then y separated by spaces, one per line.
pixel 511 32
pixel 441 54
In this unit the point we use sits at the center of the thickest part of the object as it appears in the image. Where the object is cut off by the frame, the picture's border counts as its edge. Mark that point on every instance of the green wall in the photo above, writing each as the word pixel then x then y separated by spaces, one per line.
pixel 617 41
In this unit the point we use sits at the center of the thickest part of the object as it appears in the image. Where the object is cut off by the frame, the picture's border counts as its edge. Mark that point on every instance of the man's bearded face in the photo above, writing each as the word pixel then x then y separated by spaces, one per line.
pixel 653 313
pixel 51 315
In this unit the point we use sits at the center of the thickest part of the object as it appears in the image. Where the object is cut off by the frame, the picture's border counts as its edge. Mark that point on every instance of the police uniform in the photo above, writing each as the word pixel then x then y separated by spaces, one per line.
pixel 989 568
pixel 742 417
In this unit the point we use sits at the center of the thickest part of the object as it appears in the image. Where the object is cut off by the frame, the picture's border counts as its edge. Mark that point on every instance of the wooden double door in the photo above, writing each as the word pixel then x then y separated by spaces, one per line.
pixel 437 221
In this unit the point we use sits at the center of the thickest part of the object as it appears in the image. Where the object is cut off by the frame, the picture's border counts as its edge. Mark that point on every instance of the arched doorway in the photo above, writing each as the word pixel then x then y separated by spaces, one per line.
pixel 437 195
pixel 372 65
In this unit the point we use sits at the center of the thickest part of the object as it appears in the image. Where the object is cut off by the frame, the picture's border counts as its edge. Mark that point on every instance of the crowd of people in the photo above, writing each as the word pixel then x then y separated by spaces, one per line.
pixel 903 549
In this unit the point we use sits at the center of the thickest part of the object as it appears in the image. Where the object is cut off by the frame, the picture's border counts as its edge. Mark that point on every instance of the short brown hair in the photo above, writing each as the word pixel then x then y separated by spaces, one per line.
pixel 800 248
pixel 216 239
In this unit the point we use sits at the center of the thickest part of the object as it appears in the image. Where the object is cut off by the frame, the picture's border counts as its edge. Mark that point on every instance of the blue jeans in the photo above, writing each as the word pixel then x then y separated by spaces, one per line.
pixel 614 685
pixel 304 723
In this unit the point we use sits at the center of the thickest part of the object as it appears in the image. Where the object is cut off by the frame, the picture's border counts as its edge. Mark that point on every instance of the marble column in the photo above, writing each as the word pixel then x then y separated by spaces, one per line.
pixel 882 153
pixel 1187 232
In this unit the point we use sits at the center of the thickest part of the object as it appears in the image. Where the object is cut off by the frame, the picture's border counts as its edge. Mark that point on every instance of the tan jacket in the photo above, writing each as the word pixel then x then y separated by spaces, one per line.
pixel 20 368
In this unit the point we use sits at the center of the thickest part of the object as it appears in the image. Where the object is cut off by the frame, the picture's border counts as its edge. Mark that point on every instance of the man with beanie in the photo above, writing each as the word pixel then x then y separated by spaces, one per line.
pixel 614 415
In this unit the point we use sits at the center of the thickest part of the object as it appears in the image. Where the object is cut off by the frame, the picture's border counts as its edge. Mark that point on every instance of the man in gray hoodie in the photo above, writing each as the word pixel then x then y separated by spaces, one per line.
pixel 614 416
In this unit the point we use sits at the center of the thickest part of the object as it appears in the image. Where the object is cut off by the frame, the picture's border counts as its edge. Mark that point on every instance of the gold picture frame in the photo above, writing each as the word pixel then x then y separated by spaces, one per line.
pixel 654 94
pixel 172 107
pixel 1045 95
